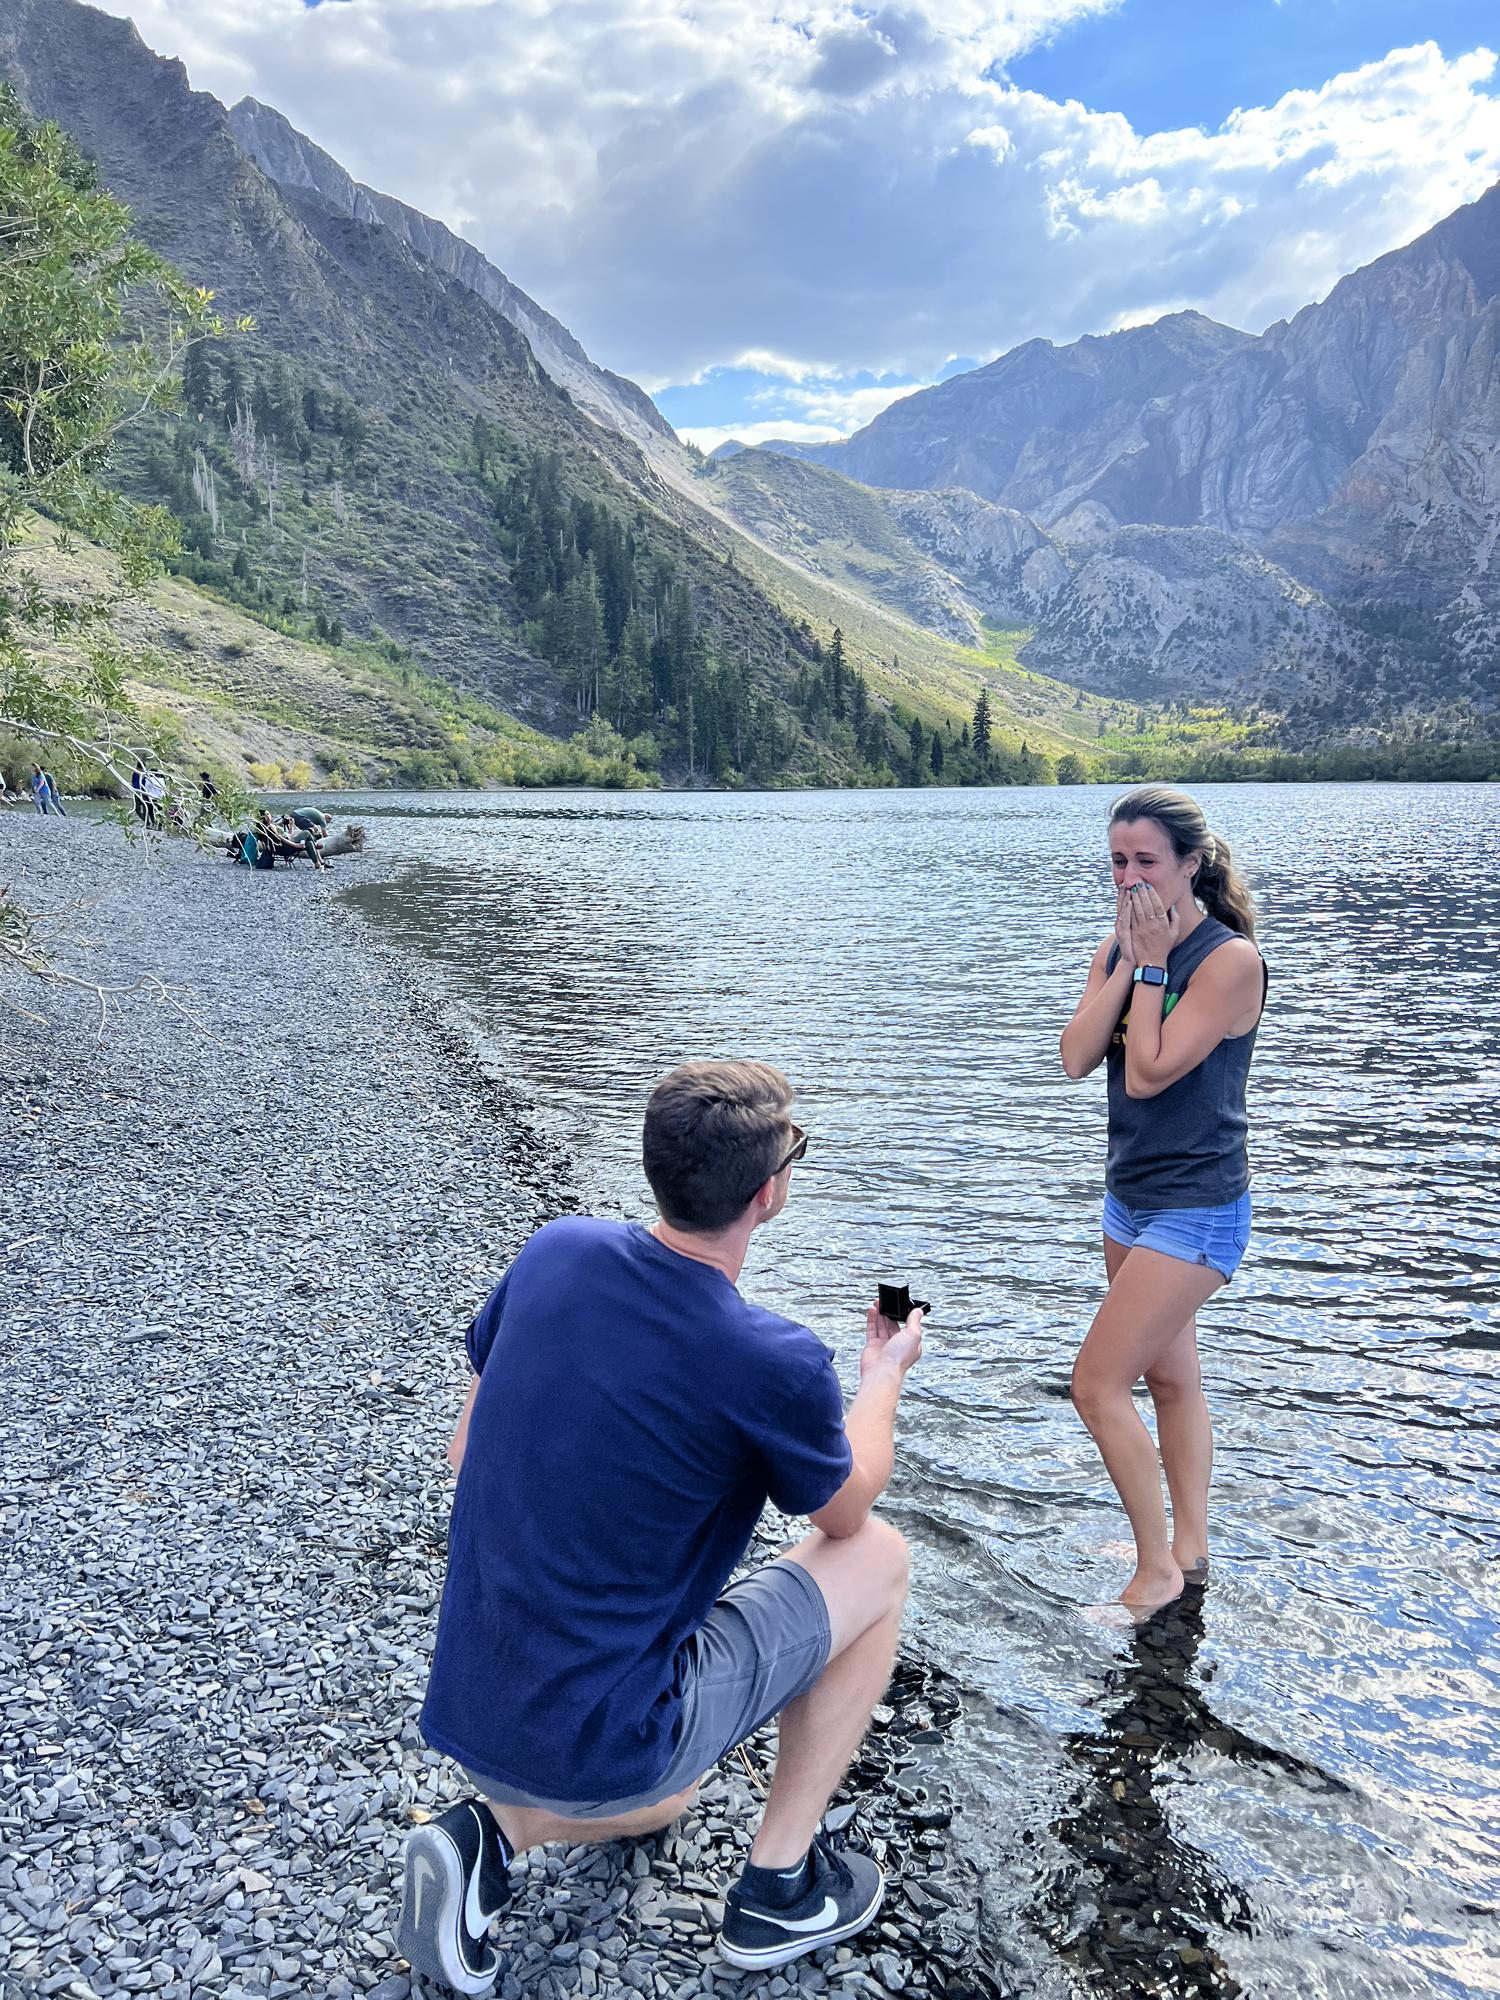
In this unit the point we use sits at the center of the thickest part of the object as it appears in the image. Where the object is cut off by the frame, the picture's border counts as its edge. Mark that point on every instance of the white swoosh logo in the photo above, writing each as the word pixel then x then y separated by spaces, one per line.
pixel 423 1875
pixel 820 1922
pixel 478 1920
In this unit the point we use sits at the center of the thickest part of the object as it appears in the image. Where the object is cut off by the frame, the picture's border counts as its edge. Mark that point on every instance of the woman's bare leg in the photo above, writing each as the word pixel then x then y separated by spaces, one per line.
pixel 1151 1299
pixel 1185 1438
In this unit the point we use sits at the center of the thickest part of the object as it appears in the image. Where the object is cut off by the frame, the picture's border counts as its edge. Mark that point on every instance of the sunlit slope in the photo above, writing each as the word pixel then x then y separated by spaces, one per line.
pixel 218 685
pixel 935 678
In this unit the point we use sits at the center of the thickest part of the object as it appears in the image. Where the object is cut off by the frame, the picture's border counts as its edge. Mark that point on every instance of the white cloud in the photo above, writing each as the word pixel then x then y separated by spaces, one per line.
pixel 849 187
pixel 845 410
pixel 775 369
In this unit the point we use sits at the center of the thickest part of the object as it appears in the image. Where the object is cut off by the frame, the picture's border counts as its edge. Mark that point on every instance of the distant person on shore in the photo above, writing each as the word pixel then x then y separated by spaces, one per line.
pixel 272 839
pixel 44 794
pixel 153 791
pixel 208 791
pixel 631 1415
pixel 305 830
pixel 1172 1002
pixel 138 790
pixel 315 825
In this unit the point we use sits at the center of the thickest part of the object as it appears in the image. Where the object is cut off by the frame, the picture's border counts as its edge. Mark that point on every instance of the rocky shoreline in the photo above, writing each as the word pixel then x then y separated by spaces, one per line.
pixel 241 1244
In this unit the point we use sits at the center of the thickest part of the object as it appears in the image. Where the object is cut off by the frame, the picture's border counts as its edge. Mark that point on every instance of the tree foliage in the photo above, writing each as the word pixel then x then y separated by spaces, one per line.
pixel 93 327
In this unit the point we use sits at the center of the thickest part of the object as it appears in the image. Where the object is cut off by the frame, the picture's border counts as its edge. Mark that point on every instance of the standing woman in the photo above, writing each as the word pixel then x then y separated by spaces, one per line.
pixel 1172 1002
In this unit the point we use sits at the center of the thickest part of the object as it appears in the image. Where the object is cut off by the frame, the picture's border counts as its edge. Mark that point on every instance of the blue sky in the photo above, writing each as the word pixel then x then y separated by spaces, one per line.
pixel 777 224
pixel 1167 63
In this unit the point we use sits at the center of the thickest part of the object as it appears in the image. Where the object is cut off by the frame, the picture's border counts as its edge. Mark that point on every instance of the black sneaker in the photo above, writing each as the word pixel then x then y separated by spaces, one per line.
pixel 842 1897
pixel 457 1882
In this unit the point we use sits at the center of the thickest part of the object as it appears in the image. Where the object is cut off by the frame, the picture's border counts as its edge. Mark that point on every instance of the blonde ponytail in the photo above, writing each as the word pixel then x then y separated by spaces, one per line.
pixel 1222 889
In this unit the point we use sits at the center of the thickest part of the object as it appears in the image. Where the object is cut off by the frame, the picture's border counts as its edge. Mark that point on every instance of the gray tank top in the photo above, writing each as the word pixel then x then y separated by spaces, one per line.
pixel 1185 1147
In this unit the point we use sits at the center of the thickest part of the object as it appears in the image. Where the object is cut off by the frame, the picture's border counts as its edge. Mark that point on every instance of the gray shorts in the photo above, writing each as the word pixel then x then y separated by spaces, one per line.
pixel 765 1642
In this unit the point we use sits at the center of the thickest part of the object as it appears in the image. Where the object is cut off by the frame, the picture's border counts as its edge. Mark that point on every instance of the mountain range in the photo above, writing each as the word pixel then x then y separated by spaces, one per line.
pixel 1301 523
pixel 1355 447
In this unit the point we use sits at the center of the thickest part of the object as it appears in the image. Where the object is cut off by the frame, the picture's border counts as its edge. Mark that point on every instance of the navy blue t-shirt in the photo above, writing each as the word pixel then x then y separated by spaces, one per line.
pixel 633 1416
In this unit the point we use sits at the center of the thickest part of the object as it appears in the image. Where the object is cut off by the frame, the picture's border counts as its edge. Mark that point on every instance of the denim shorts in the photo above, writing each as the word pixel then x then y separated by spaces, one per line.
pixel 766 1641
pixel 1215 1236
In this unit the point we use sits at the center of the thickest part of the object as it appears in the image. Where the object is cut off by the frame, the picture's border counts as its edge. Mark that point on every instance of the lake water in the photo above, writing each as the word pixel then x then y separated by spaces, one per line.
pixel 1302 1781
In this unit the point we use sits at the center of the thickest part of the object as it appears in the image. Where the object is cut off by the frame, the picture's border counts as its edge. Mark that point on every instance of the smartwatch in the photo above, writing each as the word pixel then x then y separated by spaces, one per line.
pixel 1149 975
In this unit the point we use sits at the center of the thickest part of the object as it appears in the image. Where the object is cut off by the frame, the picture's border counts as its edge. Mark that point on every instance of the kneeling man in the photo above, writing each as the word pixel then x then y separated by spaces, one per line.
pixel 630 1417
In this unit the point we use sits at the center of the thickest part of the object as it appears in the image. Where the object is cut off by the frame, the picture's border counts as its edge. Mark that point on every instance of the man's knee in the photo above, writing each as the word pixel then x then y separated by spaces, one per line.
pixel 863 1576
pixel 889 1554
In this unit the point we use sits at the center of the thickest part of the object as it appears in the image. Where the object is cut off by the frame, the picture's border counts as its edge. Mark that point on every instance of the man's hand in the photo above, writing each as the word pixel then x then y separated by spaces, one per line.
pixel 889 1346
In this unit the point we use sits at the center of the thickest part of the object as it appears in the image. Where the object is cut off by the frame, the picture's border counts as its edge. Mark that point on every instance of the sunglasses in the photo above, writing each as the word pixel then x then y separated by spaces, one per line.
pixel 798 1151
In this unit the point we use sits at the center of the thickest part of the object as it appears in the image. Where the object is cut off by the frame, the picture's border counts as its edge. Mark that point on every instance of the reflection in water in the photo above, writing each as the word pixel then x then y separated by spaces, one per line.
pixel 1136 1909
pixel 909 959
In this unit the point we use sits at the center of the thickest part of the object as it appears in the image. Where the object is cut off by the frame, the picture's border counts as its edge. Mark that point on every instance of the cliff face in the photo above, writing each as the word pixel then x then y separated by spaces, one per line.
pixel 294 162
pixel 1352 452
pixel 1144 613
pixel 1035 428
pixel 1357 441
pixel 431 353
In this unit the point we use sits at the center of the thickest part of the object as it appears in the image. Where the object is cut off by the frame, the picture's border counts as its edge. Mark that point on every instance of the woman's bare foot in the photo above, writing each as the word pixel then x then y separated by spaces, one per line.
pixel 1150 1589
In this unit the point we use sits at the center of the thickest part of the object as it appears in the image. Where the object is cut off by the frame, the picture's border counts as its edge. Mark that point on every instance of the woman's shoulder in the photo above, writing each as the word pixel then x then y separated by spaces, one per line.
pixel 1225 955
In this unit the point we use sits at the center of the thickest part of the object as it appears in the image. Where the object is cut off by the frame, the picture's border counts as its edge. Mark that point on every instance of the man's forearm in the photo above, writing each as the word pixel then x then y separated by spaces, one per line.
pixel 870 1426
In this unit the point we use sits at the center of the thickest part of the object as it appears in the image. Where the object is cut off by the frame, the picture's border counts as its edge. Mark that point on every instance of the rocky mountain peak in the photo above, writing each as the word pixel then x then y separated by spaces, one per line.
pixel 294 161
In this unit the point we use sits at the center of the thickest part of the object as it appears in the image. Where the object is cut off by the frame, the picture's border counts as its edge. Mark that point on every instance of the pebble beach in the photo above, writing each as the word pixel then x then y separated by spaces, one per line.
pixel 242 1234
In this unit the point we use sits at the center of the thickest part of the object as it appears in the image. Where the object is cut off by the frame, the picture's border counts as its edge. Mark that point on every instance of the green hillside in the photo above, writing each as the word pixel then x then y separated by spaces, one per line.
pixel 214 686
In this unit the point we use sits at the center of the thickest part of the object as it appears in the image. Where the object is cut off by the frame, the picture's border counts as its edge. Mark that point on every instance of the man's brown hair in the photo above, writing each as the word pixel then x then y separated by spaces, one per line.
pixel 715 1132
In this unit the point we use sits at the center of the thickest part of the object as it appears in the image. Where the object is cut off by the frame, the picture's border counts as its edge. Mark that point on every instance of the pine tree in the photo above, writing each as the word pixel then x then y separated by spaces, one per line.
pixel 982 726
pixel 206 489
pixel 231 390
pixel 633 684
pixel 244 443
pixel 198 380
pixel 680 631
pixel 583 629
pixel 532 574
pixel 916 769
pixel 838 675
